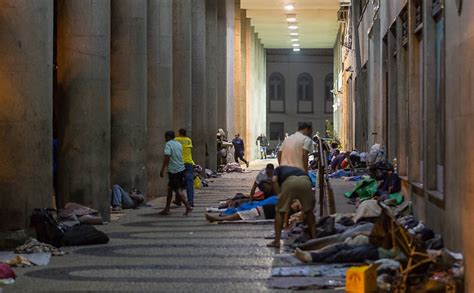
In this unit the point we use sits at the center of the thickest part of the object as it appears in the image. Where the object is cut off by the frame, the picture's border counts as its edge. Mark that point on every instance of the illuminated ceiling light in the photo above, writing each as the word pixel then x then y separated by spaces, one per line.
pixel 294 34
pixel 295 45
pixel 296 49
pixel 291 17
pixel 289 7
pixel 295 40
pixel 293 27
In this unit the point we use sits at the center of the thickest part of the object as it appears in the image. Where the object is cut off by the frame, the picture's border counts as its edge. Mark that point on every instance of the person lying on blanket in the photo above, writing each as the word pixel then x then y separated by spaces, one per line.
pixel 263 212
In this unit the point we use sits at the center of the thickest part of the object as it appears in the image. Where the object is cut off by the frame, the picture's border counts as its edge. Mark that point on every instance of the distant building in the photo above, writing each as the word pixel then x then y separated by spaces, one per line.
pixel 299 86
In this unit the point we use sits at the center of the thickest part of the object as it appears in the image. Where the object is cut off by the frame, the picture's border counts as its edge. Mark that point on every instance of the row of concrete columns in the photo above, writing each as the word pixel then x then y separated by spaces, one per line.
pixel 249 101
pixel 127 71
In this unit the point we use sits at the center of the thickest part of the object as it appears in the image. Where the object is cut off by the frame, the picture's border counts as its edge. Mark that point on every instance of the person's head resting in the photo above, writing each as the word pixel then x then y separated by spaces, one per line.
pixel 269 170
pixel 182 132
pixel 305 129
pixel 169 135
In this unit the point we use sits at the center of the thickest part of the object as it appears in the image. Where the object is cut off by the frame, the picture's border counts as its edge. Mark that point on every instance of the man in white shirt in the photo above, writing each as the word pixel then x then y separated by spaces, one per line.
pixel 264 182
pixel 296 148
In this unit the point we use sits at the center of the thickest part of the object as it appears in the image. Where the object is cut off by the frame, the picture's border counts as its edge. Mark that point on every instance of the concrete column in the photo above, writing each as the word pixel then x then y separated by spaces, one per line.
pixel 160 89
pixel 216 75
pixel 26 79
pixel 199 119
pixel 230 19
pixel 237 70
pixel 128 93
pixel 182 75
pixel 84 115
pixel 222 63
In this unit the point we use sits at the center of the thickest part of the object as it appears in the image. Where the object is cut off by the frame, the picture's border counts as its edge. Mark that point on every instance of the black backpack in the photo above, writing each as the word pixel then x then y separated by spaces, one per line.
pixel 84 234
pixel 47 228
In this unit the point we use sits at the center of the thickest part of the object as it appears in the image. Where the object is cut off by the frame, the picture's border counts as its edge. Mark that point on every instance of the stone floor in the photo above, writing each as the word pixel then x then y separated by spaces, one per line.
pixel 174 253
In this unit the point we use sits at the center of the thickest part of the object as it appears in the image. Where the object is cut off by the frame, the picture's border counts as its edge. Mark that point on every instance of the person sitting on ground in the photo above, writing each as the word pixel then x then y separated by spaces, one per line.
pixel 292 183
pixel 337 161
pixel 264 182
pixel 391 184
pixel 121 199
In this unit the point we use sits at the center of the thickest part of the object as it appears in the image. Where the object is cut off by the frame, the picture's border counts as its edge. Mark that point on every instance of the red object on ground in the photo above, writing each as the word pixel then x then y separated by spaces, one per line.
pixel 6 272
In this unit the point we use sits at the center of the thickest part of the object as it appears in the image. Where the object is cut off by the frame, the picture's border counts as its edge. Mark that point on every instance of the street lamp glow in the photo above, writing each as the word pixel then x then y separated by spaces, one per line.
pixel 295 40
pixel 289 7
pixel 293 27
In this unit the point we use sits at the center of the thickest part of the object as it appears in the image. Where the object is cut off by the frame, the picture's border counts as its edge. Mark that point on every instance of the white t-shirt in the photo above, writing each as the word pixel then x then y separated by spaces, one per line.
pixel 262 176
pixel 292 150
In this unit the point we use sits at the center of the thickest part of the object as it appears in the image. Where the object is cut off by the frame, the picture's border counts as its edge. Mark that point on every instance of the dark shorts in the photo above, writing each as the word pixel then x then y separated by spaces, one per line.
pixel 177 180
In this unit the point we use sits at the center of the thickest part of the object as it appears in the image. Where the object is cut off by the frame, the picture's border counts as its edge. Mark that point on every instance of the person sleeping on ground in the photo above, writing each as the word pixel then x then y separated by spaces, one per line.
pixel 260 212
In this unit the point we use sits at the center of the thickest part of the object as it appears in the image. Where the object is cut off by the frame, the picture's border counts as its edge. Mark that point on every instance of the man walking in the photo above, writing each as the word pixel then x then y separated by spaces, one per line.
pixel 262 142
pixel 239 149
pixel 296 148
pixel 173 161
pixel 187 145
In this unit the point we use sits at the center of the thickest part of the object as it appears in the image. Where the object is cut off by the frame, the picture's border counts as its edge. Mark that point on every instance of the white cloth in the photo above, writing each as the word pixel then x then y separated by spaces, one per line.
pixel 252 214
pixel 292 150
pixel 367 209
pixel 262 176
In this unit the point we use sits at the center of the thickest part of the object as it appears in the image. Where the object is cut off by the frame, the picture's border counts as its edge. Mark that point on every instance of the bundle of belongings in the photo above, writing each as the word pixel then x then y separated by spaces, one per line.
pixel 407 256
pixel 232 167
pixel 67 229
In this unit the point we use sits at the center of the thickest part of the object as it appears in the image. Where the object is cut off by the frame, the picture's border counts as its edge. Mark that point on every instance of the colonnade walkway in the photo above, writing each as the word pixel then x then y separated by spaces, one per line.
pixel 173 253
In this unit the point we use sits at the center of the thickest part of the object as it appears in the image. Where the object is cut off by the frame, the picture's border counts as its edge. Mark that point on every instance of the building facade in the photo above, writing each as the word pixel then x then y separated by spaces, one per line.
pixel 404 75
pixel 299 90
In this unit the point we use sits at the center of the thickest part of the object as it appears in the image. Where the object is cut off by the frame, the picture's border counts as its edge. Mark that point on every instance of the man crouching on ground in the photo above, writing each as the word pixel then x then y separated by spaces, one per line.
pixel 176 172
pixel 292 183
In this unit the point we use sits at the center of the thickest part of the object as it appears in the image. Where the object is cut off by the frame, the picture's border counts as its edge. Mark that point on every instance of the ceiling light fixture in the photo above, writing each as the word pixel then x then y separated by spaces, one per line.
pixel 291 17
pixel 293 27
pixel 295 40
pixel 296 49
pixel 294 34
pixel 290 7
pixel 295 45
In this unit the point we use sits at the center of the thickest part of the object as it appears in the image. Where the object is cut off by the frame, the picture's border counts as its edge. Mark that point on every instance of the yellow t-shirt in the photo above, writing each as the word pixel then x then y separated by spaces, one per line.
pixel 187 144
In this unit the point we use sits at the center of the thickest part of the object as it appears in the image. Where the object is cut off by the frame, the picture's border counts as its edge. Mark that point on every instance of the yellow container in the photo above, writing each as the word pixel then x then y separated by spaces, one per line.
pixel 361 279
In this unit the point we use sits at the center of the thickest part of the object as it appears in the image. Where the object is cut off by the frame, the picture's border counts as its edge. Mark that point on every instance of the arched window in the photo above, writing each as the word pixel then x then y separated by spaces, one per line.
pixel 276 87
pixel 305 87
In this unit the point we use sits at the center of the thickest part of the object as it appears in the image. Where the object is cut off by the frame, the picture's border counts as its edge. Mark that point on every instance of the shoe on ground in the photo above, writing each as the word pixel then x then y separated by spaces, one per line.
pixel 116 209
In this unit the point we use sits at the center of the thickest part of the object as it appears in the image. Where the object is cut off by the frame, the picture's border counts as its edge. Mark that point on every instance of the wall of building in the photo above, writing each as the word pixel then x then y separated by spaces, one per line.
pixel 422 117
pixel 317 63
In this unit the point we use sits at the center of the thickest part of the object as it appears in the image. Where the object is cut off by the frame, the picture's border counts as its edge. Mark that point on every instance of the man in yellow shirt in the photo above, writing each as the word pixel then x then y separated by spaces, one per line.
pixel 187 144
